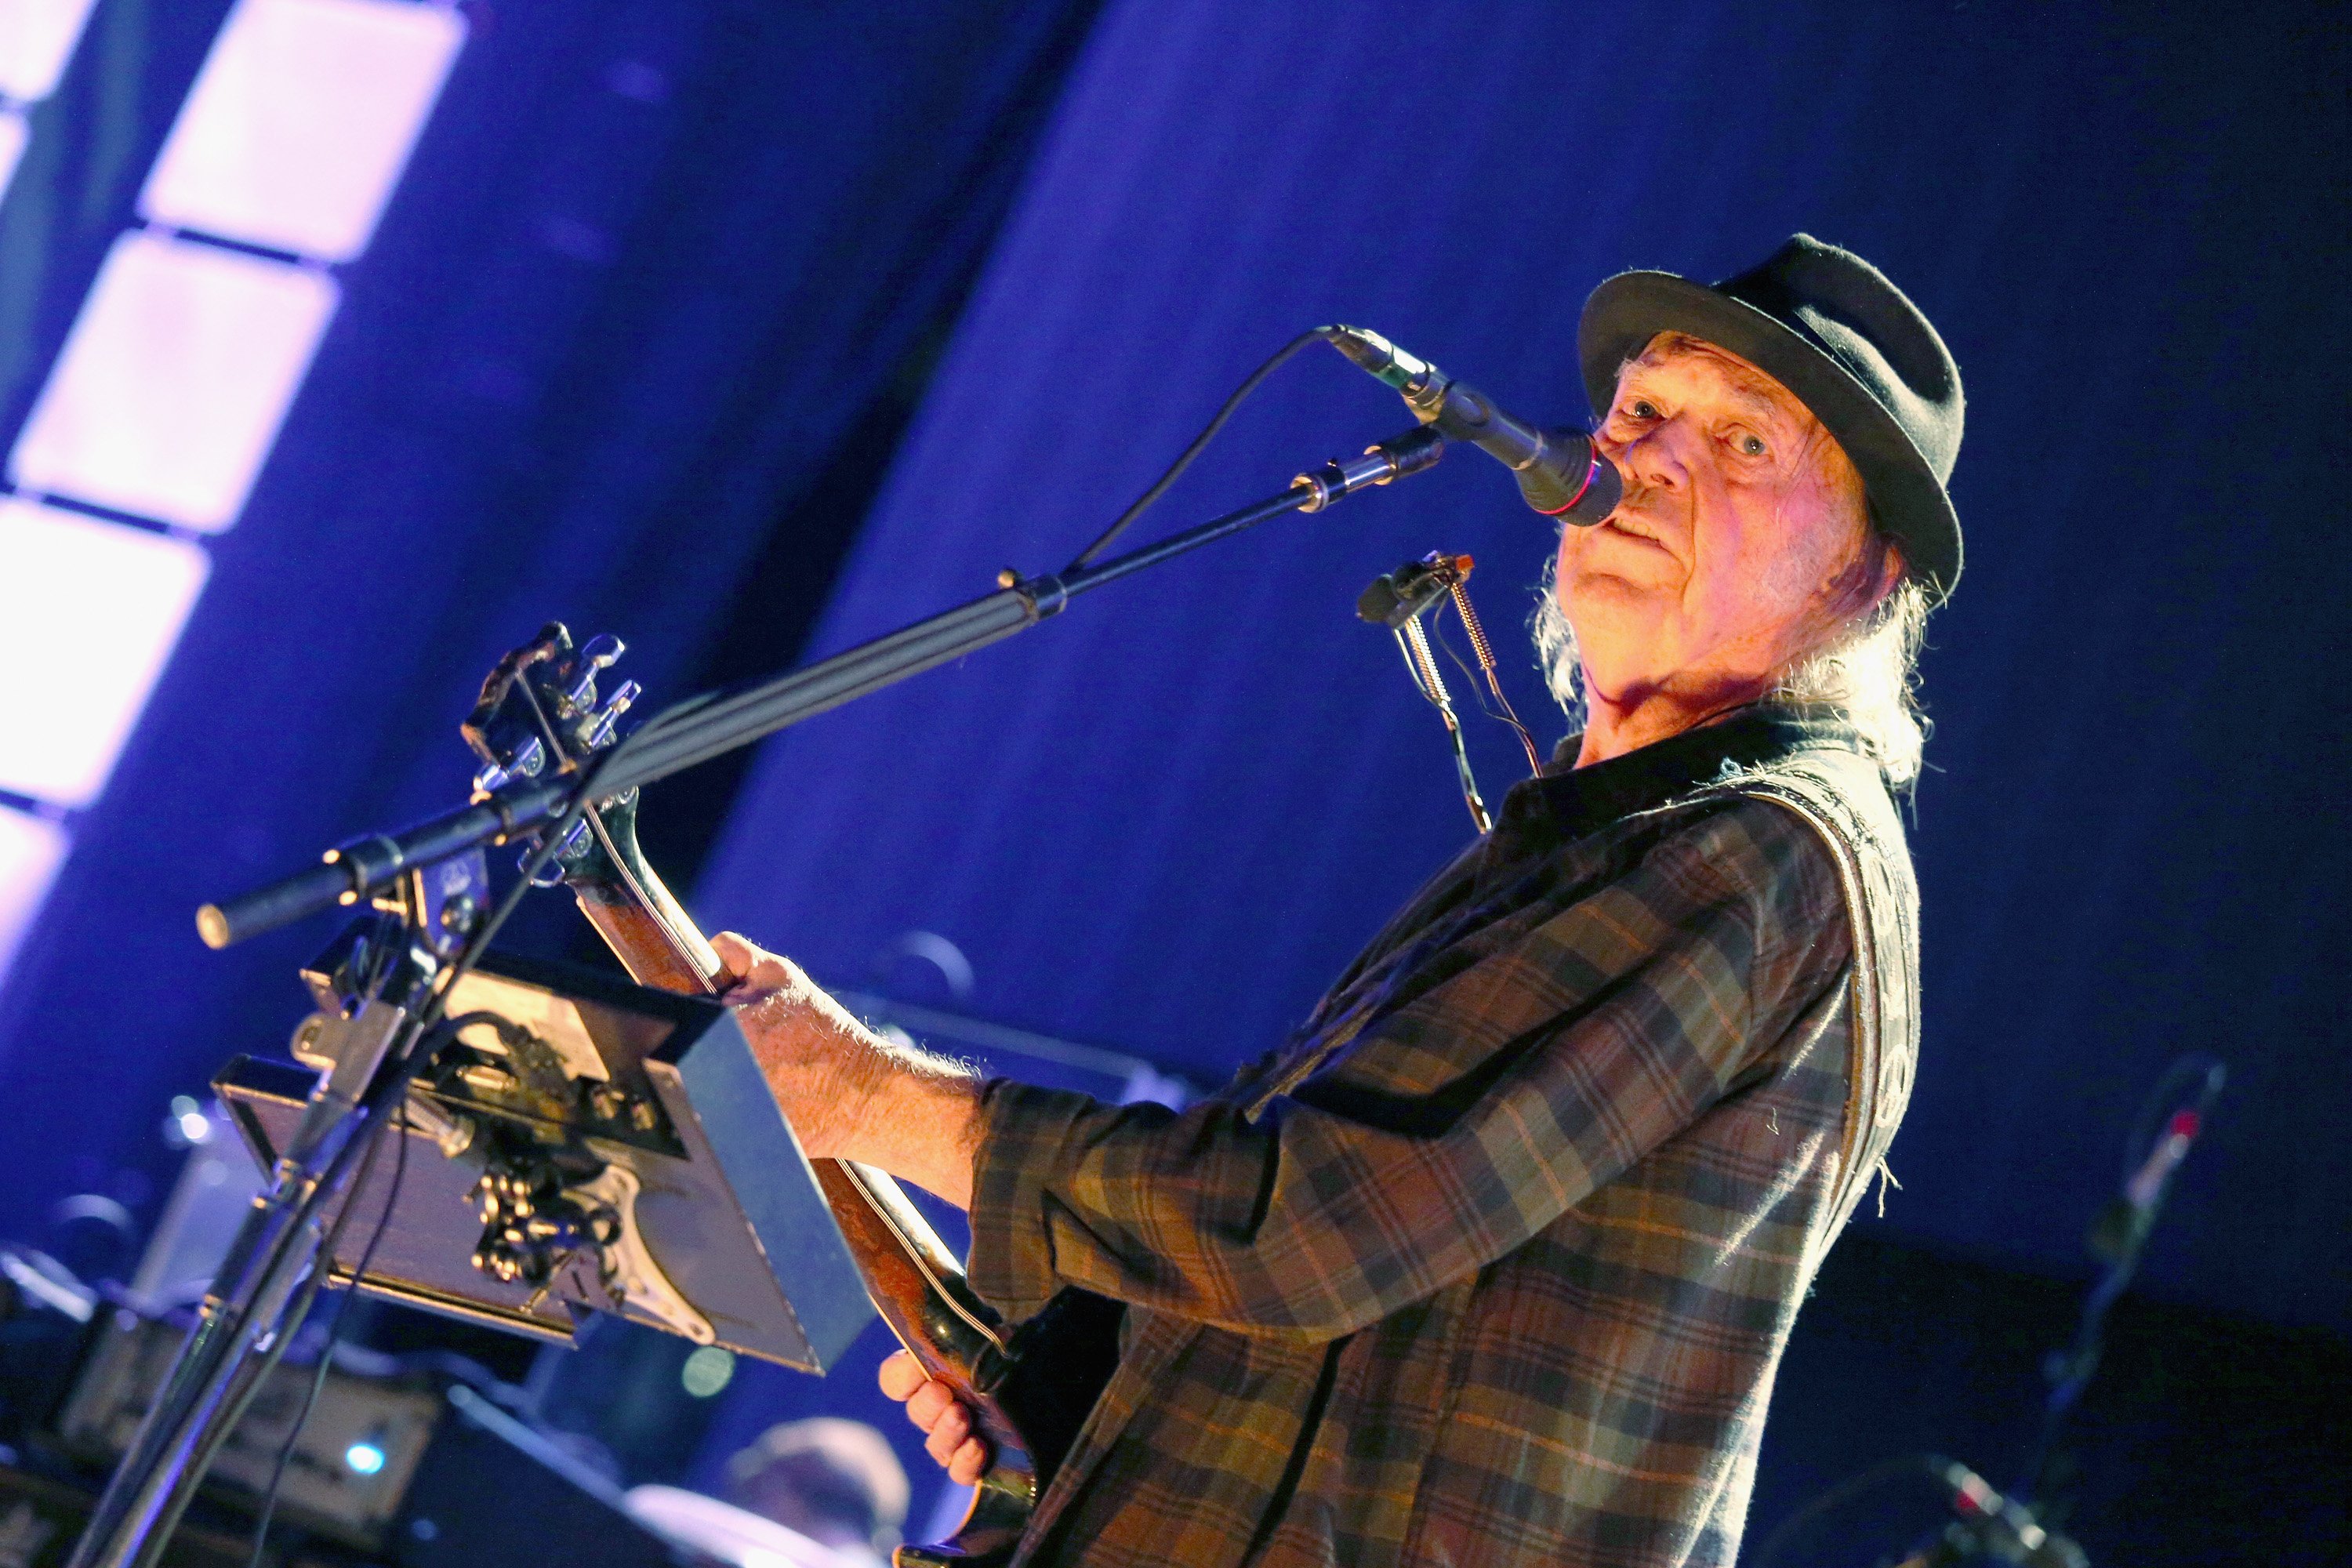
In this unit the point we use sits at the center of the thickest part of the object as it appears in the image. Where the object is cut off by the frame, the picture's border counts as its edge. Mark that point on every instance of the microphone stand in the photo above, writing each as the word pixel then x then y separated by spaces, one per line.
pixel 271 1269
pixel 2070 1371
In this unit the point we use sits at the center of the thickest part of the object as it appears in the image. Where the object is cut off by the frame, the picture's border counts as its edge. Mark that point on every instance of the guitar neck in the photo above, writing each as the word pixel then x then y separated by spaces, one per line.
pixel 542 701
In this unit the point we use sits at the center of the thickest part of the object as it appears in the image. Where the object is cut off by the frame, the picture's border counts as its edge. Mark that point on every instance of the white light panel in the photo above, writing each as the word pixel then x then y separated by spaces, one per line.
pixel 173 382
pixel 31 850
pixel 88 613
pixel 36 38
pixel 300 121
pixel 12 145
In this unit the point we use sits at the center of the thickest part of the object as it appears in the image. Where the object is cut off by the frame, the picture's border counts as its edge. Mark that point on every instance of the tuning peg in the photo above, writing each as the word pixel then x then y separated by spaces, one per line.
pixel 552 872
pixel 600 653
pixel 599 732
pixel 526 762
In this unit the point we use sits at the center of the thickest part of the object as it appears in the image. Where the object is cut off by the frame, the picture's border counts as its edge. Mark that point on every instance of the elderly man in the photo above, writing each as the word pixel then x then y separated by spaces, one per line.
pixel 1495 1263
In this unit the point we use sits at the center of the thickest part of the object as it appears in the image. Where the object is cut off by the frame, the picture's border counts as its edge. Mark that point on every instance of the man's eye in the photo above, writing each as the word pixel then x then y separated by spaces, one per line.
pixel 1750 443
pixel 1642 408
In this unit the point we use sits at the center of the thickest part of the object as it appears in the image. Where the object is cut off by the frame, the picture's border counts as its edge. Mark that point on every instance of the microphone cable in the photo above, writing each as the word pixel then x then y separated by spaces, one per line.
pixel 1500 709
pixel 1184 459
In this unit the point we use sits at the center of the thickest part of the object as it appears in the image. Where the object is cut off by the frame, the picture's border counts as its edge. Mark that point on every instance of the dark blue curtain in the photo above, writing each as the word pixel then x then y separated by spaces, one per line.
pixel 1167 819
pixel 651 267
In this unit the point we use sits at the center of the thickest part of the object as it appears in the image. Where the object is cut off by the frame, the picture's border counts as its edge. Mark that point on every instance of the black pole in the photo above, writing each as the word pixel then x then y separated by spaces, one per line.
pixel 701 728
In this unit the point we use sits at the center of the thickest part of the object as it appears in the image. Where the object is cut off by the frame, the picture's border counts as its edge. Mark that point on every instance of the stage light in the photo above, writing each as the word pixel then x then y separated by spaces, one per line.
pixel 173 381
pixel 185 1125
pixel 363 1458
pixel 13 133
pixel 89 612
pixel 31 848
pixel 297 129
pixel 177 374
pixel 36 38
pixel 707 1371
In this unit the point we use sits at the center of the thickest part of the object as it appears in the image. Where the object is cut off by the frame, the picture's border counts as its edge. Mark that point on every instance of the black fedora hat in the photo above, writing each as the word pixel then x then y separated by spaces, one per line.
pixel 1828 326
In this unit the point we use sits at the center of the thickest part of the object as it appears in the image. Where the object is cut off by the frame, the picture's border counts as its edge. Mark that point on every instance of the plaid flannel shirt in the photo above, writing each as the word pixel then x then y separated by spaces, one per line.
pixel 1495 1262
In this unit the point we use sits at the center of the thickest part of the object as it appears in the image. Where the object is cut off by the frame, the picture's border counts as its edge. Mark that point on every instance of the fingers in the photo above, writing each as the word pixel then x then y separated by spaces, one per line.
pixel 931 1406
pixel 901 1376
pixel 736 958
pixel 744 965
pixel 928 1403
pixel 951 1443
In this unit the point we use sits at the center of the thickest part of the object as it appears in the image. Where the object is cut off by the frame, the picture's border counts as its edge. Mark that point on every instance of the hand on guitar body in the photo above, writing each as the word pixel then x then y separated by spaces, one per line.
pixel 931 1406
pixel 850 1094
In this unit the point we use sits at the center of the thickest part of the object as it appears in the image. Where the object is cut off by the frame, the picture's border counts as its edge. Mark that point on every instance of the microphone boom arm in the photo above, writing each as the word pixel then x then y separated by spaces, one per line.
pixel 702 728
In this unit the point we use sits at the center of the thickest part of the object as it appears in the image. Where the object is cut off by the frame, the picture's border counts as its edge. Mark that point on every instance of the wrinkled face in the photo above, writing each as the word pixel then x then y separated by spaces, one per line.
pixel 1742 542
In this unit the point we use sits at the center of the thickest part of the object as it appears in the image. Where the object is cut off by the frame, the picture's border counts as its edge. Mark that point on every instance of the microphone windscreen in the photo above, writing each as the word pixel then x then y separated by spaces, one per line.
pixel 1575 483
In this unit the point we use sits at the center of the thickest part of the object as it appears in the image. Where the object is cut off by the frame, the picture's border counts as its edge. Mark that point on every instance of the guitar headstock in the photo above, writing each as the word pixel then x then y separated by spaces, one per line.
pixel 540 713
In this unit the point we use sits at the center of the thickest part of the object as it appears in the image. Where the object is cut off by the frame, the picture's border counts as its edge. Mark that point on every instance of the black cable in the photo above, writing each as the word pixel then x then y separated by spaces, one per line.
pixel 1469 673
pixel 1488 691
pixel 399 1125
pixel 1184 459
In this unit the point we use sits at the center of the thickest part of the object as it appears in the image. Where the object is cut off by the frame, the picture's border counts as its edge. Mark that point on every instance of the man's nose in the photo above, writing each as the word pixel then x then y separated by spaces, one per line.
pixel 1649 460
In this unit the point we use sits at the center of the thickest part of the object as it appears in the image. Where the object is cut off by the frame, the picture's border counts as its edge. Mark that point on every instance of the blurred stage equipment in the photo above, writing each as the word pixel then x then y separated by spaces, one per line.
pixel 720 1533
pixel 353 1459
pixel 495 1492
pixel 565 1119
pixel 1988 1526
pixel 2169 1120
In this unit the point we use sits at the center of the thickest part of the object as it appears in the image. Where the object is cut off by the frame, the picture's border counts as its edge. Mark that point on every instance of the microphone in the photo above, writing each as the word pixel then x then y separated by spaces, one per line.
pixel 1561 472
pixel 1997 1527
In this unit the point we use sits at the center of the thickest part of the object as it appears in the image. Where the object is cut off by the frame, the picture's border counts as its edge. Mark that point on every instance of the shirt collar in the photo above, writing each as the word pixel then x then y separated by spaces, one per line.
pixel 1572 802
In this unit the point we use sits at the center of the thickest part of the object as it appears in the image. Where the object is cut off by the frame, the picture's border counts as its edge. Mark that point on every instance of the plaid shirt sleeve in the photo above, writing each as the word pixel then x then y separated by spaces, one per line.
pixel 1454 1128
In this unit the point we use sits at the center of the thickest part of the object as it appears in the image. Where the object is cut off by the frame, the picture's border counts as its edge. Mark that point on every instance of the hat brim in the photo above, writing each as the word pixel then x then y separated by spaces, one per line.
pixel 1906 499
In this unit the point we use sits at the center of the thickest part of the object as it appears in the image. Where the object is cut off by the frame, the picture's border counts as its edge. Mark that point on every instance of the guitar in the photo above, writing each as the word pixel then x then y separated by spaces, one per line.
pixel 1027 1392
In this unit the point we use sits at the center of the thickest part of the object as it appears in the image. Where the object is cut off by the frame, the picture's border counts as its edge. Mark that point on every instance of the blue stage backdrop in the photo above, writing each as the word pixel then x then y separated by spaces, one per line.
pixel 1165 820
pixel 649 267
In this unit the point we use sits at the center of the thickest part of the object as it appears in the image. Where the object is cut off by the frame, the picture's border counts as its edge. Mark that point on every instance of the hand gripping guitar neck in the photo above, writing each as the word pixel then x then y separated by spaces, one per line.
pixel 539 711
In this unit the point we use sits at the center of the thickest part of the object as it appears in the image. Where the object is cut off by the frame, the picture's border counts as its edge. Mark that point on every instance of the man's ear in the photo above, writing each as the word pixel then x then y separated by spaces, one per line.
pixel 1891 568
pixel 1892 573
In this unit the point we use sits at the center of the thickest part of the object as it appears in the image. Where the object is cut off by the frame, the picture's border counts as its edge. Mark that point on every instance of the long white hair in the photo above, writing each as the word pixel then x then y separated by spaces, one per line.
pixel 1867 675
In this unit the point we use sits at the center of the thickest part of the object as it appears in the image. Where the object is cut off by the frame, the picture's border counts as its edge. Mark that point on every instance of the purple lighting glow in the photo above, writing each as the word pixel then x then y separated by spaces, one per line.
pixel 36 38
pixel 12 146
pixel 89 612
pixel 298 129
pixel 31 848
pixel 173 382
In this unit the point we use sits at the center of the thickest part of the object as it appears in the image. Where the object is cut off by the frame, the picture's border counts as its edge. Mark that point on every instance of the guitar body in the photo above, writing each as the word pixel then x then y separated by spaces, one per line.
pixel 1028 1394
